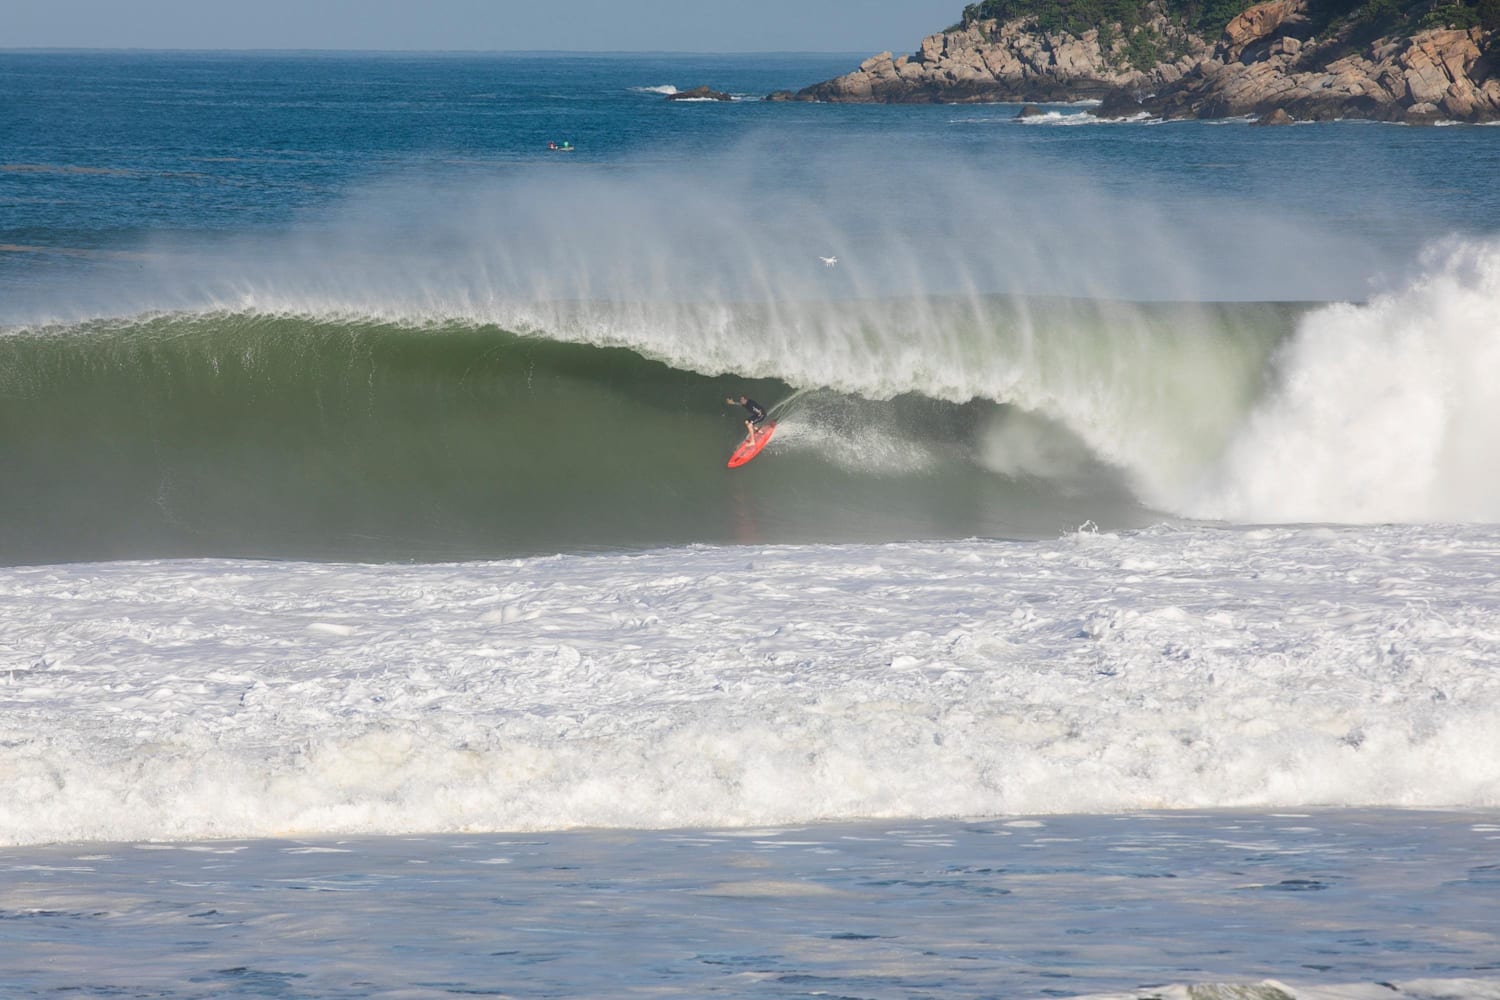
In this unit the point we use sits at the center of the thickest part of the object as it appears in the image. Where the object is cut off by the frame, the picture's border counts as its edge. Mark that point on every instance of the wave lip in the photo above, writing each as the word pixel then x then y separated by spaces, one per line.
pixel 1190 668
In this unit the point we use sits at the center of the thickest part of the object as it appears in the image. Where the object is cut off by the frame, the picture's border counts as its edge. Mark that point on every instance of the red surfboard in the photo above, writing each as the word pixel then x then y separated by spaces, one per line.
pixel 749 449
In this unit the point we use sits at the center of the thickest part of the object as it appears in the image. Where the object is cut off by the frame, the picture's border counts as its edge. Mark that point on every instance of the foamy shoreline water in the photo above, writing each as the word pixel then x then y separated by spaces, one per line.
pixel 1184 668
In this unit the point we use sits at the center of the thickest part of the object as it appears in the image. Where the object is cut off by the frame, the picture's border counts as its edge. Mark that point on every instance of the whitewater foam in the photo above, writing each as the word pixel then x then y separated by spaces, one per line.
pixel 1075 118
pixel 722 687
pixel 1385 411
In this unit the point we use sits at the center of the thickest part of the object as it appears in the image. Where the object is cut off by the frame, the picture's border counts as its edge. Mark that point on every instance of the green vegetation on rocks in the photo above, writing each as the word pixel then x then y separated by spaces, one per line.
pixel 1414 61
pixel 1204 17
pixel 1371 18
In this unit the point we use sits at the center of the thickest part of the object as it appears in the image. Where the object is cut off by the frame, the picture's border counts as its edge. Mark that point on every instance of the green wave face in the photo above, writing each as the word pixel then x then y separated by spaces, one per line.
pixel 246 435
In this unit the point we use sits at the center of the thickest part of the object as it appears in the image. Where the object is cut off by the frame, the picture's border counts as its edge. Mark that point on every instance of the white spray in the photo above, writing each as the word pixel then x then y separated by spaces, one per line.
pixel 1388 411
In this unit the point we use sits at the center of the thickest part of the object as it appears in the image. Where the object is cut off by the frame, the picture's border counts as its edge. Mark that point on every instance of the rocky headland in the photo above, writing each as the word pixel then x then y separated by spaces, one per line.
pixel 1280 61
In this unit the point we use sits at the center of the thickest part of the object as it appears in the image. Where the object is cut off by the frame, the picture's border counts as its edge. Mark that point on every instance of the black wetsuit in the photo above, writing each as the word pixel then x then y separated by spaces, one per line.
pixel 757 412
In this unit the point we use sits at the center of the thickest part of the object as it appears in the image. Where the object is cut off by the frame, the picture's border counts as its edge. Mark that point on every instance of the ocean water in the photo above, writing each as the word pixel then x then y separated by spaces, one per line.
pixel 1115 613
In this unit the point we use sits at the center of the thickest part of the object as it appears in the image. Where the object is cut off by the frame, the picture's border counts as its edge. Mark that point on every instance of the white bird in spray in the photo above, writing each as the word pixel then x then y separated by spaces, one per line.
pixel 828 261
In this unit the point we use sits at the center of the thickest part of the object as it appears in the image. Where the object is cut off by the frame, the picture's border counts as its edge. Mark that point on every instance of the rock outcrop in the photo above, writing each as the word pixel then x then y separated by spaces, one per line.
pixel 1270 58
pixel 993 61
pixel 704 93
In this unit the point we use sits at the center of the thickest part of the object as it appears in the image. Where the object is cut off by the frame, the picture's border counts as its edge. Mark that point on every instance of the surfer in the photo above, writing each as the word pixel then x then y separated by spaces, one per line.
pixel 756 411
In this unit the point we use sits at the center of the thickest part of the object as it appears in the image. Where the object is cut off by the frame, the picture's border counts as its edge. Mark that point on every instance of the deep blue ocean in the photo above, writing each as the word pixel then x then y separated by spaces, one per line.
pixel 142 143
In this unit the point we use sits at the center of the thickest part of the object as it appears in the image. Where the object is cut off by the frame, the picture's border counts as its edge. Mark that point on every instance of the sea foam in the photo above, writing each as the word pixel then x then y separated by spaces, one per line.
pixel 742 686
pixel 1384 411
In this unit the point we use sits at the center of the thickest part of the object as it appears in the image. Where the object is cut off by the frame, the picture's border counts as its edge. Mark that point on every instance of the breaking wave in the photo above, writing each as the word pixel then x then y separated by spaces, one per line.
pixel 538 363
